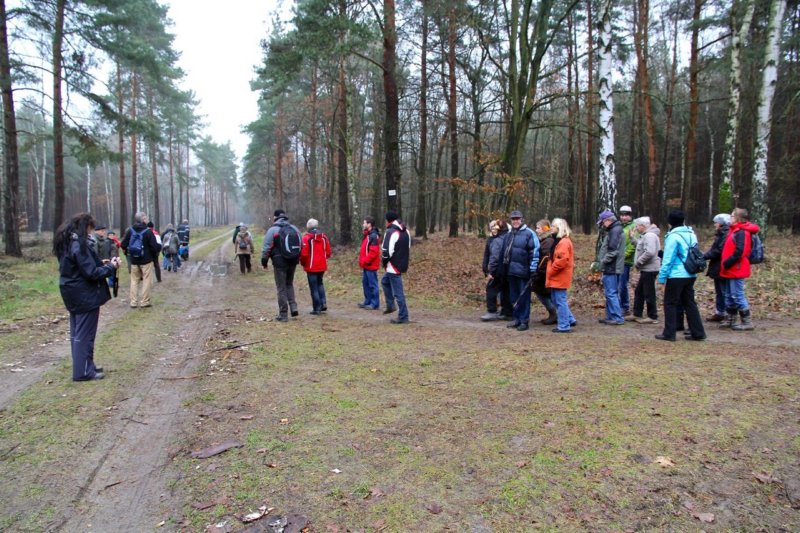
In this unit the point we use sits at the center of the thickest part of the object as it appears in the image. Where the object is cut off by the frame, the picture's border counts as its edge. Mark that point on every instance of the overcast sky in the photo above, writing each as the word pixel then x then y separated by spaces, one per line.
pixel 219 46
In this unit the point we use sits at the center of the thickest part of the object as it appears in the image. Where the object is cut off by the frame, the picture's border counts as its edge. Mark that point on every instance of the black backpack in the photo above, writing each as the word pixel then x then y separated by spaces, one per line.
pixel 695 262
pixel 288 243
pixel 136 244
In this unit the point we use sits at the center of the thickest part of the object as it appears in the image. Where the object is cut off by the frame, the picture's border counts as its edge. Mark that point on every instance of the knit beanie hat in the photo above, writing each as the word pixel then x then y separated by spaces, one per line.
pixel 607 213
pixel 723 219
pixel 676 218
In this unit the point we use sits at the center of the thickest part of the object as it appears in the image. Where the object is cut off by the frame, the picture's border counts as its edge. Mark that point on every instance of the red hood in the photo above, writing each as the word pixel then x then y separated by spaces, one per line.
pixel 747 226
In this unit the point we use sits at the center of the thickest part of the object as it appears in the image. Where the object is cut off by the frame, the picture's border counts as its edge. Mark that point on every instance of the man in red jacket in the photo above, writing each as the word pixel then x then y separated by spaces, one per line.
pixel 314 254
pixel 369 259
pixel 735 268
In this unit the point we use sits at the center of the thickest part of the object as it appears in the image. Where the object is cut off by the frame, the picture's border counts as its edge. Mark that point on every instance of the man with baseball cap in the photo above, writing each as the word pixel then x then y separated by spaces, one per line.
pixel 611 261
pixel 521 259
pixel 628 229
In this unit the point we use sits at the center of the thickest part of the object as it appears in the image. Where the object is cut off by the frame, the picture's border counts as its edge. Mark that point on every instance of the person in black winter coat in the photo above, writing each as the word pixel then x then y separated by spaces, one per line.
pixel 496 282
pixel 83 288
pixel 714 257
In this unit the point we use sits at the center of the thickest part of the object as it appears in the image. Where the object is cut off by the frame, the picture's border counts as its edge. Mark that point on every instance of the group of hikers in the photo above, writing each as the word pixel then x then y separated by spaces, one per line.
pixel 286 247
pixel 519 261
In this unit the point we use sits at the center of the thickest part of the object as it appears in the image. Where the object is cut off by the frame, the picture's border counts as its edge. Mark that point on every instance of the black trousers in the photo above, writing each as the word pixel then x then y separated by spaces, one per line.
pixel 82 331
pixel 680 292
pixel 244 263
pixel 646 294
pixel 494 288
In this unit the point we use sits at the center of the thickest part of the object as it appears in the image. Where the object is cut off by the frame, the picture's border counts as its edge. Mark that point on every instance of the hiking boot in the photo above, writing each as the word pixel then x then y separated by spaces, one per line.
pixel 399 321
pixel 611 322
pixel 729 320
pixel 501 316
pixel 747 322
pixel 715 318
pixel 648 320
pixel 663 338
pixel 315 312
pixel 556 330
pixel 489 317
pixel 281 318
pixel 363 306
pixel 389 310
pixel 631 318
pixel 523 327
pixel 513 324
pixel 551 318
pixel 295 313
pixel 323 308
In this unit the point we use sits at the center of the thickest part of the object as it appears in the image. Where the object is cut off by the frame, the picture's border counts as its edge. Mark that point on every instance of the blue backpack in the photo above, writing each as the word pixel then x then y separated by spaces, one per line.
pixel 756 250
pixel 136 244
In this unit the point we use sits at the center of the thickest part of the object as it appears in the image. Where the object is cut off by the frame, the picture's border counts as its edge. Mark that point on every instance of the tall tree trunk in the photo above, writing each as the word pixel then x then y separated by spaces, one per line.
pixel 642 53
pixel 725 200
pixel 712 149
pixel 760 210
pixel 59 199
pixel 134 148
pixel 279 162
pixel 421 222
pixel 171 182
pixel 345 220
pixel 452 118
pixel 691 133
pixel 109 202
pixel 10 151
pixel 313 134
pixel 607 192
pixel 670 105
pixel 589 206
pixel 391 128
pixel 88 188
pixel 123 199
pixel 154 162
pixel 572 178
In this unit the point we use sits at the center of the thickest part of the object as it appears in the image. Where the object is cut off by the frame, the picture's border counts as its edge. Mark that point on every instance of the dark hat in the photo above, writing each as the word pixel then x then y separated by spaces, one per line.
pixel 676 217
pixel 278 213
pixel 100 226
pixel 391 216
pixel 607 213
pixel 515 214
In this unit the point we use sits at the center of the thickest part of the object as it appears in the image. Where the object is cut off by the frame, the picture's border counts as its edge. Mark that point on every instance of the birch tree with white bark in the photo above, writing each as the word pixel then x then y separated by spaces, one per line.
pixel 760 208
pixel 607 188
pixel 734 100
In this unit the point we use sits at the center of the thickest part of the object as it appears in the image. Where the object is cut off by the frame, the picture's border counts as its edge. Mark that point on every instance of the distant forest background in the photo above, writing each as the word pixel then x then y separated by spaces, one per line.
pixel 451 112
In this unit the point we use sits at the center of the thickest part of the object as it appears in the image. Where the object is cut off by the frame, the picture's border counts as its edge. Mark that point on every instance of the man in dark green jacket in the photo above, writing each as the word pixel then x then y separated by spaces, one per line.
pixel 628 228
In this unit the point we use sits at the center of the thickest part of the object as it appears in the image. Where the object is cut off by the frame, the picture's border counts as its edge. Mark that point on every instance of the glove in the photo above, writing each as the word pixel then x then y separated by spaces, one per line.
pixel 264 262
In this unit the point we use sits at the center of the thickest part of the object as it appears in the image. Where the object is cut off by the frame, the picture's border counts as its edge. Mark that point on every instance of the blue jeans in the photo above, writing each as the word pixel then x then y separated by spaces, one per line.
pixel 393 290
pixel 317 290
pixel 721 292
pixel 520 294
pixel 565 316
pixel 177 262
pixel 611 291
pixel 369 282
pixel 735 298
pixel 624 296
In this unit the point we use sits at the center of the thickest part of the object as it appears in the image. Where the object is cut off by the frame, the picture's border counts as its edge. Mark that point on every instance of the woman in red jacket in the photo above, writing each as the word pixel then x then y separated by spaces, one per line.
pixel 559 275
pixel 735 268
pixel 314 256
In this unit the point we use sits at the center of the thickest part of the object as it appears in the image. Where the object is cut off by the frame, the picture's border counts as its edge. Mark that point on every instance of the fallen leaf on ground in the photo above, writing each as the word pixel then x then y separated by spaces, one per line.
pixel 704 517
pixel 522 464
pixel 376 493
pixel 433 508
pixel 336 471
pixel 284 421
pixel 764 478
pixel 664 461
pixel 246 417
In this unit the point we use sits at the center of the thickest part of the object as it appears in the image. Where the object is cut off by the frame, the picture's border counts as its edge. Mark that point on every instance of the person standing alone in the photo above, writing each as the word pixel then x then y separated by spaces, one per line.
pixel 244 249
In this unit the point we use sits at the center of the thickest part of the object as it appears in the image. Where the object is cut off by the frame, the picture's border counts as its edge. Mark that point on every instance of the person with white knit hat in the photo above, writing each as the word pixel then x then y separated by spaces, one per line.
pixel 714 257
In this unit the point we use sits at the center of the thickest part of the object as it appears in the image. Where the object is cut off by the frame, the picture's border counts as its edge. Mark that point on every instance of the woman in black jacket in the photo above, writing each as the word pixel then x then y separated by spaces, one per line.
pixel 83 288
pixel 714 257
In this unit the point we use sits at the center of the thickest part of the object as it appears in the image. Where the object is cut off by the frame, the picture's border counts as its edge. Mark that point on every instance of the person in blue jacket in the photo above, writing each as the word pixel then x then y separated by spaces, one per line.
pixel 520 259
pixel 83 288
pixel 678 283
